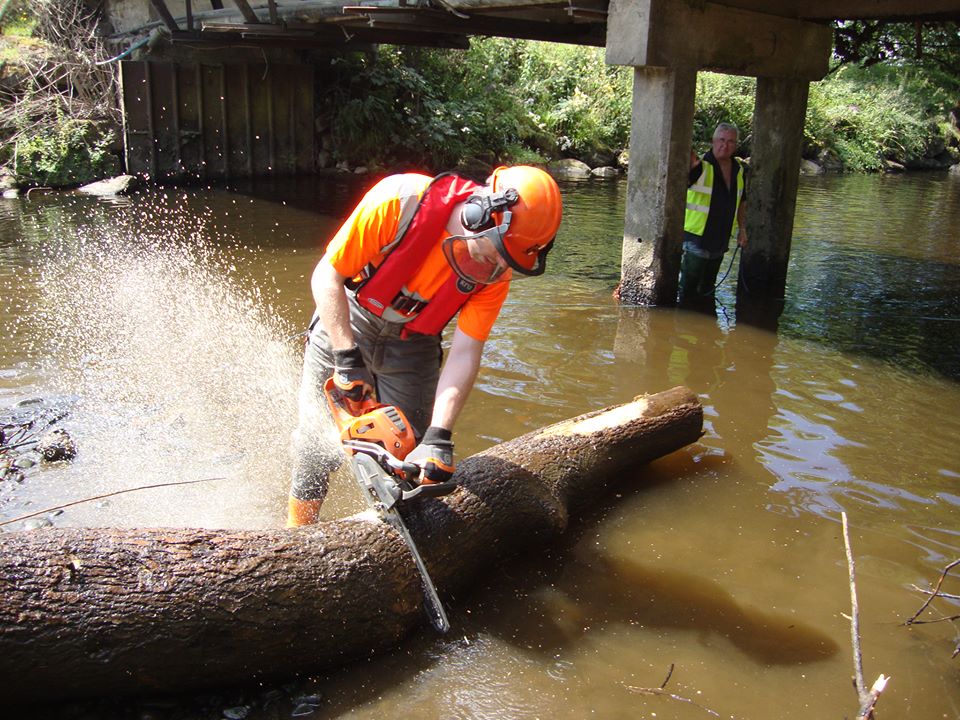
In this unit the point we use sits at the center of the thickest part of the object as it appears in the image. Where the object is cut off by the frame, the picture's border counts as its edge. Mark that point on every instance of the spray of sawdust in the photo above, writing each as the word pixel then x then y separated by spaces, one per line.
pixel 158 324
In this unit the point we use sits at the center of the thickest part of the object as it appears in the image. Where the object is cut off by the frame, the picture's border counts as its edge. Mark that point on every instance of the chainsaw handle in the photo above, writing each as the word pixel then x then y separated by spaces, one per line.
pixel 347 403
pixel 408 471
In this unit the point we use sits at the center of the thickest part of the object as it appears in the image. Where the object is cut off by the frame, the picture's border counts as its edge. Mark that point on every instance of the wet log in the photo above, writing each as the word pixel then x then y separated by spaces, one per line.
pixel 95 611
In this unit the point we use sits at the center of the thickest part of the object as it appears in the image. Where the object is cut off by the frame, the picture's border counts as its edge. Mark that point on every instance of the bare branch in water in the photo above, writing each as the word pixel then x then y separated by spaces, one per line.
pixel 660 691
pixel 936 592
pixel 105 495
pixel 868 698
pixel 925 591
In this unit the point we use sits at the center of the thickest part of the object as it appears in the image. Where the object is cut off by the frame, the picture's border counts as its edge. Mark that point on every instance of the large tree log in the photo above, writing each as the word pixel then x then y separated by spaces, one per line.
pixel 91 611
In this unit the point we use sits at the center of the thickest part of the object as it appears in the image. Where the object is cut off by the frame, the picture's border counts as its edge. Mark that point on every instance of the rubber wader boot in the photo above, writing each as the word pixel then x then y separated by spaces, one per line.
pixel 302 512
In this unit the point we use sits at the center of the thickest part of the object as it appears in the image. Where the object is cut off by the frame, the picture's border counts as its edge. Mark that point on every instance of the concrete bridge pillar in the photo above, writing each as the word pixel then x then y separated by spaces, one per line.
pixel 660 139
pixel 778 115
pixel 667 42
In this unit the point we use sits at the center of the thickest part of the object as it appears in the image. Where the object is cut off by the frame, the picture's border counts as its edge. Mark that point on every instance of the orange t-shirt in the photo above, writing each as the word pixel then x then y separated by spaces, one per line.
pixel 373 225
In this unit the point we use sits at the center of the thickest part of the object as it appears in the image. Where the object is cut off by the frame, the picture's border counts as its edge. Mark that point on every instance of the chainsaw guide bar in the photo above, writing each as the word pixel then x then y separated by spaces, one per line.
pixel 382 494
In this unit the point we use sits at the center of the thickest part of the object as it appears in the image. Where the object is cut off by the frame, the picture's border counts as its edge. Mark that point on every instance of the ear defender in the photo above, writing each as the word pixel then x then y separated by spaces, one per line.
pixel 477 212
pixel 474 216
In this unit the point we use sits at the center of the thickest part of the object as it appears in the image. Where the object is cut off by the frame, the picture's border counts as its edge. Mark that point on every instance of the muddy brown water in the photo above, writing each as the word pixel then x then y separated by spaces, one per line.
pixel 167 323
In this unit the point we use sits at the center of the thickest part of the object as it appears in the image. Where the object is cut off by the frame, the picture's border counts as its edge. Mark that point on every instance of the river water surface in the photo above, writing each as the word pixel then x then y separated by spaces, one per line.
pixel 166 323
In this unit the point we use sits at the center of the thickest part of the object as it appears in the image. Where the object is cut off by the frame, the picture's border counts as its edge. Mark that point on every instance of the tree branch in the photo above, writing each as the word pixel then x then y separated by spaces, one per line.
pixel 868 698
pixel 936 592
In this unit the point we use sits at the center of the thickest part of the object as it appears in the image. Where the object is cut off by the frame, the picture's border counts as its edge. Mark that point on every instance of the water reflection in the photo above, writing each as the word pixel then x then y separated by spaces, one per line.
pixel 879 282
pixel 729 367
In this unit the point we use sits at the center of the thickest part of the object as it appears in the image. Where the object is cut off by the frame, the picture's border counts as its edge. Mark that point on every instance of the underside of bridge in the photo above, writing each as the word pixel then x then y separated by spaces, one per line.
pixel 785 44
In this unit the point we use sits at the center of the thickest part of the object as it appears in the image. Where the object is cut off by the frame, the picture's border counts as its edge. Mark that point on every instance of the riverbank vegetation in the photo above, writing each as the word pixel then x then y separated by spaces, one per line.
pixel 530 101
pixel 882 107
pixel 59 109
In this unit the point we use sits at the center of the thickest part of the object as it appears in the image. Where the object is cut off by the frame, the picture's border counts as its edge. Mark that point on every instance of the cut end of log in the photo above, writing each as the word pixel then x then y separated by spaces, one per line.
pixel 641 407
pixel 616 417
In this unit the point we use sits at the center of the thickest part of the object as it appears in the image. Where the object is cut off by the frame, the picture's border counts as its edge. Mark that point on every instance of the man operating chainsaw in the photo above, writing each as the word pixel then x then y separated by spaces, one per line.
pixel 413 254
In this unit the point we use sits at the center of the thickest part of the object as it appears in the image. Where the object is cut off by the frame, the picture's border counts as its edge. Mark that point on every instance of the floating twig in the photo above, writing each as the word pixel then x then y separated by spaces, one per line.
pixel 660 691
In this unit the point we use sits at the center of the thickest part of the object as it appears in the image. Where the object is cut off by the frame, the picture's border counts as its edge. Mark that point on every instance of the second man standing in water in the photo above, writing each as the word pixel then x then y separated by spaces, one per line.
pixel 714 213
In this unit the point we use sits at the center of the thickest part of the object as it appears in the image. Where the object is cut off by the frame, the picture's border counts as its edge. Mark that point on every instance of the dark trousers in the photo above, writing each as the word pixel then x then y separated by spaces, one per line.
pixel 698 276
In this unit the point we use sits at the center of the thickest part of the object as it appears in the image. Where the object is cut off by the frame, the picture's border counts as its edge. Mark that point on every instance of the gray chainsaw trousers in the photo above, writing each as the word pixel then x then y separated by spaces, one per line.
pixel 405 372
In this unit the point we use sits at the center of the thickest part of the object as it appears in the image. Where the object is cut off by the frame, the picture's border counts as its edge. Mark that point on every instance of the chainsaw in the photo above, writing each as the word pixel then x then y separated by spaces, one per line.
pixel 376 438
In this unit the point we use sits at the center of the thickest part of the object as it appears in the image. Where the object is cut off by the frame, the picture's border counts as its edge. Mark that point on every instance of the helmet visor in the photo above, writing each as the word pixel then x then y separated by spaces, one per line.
pixel 475 258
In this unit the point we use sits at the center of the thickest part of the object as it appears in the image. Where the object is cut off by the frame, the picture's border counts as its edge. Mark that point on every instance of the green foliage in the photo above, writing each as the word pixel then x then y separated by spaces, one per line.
pixel 73 153
pixel 522 155
pixel 927 89
pixel 922 58
pixel 858 117
pixel 500 101
pixel 516 101
pixel 930 46
pixel 575 96
pixel 506 100
pixel 865 121
pixel 17 17
pixel 422 107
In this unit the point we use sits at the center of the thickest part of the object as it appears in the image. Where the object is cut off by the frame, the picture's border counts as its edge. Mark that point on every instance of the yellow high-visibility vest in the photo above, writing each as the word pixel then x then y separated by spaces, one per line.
pixel 698 200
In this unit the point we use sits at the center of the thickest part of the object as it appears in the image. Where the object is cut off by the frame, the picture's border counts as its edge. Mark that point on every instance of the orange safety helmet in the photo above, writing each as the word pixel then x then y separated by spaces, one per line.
pixel 535 216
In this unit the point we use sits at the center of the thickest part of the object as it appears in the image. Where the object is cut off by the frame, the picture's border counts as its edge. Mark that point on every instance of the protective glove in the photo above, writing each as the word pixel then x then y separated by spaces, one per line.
pixel 354 383
pixel 434 455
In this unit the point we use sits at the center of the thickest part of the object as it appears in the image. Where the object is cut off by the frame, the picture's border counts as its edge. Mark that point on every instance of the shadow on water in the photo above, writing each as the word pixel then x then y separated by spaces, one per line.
pixel 897 309
pixel 552 604
pixel 595 593
pixel 332 195
pixel 880 278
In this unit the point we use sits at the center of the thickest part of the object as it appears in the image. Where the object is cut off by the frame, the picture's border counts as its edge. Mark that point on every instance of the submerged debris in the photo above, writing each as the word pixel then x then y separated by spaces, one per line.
pixel 7 472
pixel 28 438
pixel 57 445
pixel 240 712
